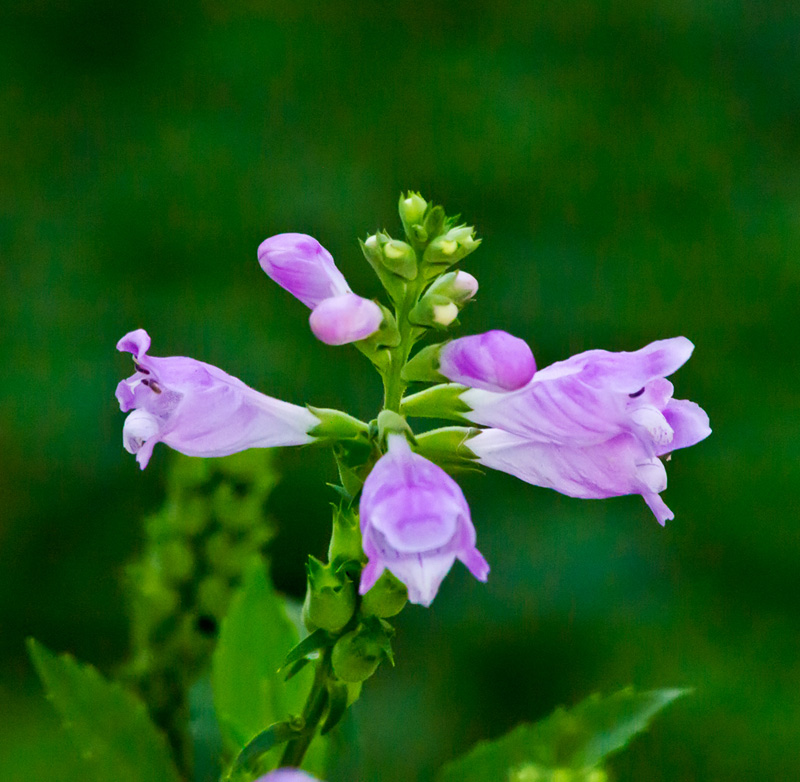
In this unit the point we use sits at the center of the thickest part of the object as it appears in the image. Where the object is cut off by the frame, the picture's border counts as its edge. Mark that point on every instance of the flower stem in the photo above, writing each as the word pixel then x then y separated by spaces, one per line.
pixel 393 382
pixel 317 700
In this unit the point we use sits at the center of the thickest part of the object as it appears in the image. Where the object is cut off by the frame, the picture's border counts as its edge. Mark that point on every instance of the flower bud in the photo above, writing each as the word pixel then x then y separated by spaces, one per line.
pixel 458 286
pixel 387 598
pixel 449 248
pixel 302 266
pixel 493 361
pixel 357 655
pixel 393 255
pixel 340 320
pixel 330 597
pixel 435 311
pixel 346 537
pixel 412 208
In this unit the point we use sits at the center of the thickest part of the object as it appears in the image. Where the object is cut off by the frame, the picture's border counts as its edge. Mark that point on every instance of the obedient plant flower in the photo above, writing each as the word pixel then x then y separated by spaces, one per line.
pixel 340 320
pixel 494 361
pixel 198 409
pixel 415 523
pixel 302 266
pixel 287 775
pixel 592 426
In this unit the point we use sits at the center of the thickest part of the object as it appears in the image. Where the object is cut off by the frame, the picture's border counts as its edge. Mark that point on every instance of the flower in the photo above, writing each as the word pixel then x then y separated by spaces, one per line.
pixel 592 426
pixel 494 361
pixel 302 266
pixel 198 409
pixel 346 318
pixel 287 775
pixel 415 522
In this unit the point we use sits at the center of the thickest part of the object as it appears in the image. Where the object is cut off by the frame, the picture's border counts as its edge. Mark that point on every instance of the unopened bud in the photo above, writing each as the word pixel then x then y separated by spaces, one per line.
pixel 386 598
pixel 357 655
pixel 330 597
pixel 340 320
pixel 449 248
pixel 458 286
pixel 346 537
pixel 412 209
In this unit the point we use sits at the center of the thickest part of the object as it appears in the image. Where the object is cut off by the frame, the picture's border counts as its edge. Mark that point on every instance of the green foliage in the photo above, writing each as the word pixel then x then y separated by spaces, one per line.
pixel 211 527
pixel 109 725
pixel 249 693
pixel 567 745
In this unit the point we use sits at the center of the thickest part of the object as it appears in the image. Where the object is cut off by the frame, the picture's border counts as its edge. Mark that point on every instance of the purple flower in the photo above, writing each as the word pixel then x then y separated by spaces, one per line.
pixel 287 775
pixel 346 318
pixel 198 409
pixel 415 522
pixel 302 266
pixel 592 426
pixel 494 361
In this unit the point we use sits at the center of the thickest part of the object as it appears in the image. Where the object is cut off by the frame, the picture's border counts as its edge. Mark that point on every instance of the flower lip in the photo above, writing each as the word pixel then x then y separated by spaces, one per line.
pixel 415 522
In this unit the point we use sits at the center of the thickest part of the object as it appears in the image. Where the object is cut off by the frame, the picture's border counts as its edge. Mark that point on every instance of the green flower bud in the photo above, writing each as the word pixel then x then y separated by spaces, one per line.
pixel 449 248
pixel 434 311
pixel 330 597
pixel 393 255
pixel 412 209
pixel 387 598
pixel 458 286
pixel 357 655
pixel 346 537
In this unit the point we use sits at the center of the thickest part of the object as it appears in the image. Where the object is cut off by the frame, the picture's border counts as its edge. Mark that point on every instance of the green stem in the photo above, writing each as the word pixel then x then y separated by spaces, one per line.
pixel 317 700
pixel 394 385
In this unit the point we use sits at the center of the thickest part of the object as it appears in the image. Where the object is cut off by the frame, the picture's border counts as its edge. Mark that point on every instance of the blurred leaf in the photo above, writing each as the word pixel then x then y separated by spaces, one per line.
pixel 249 694
pixel 577 739
pixel 108 724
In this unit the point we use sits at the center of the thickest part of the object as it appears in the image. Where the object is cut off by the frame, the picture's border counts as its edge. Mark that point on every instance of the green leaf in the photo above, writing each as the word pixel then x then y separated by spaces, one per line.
pixel 256 635
pixel 109 725
pixel 576 739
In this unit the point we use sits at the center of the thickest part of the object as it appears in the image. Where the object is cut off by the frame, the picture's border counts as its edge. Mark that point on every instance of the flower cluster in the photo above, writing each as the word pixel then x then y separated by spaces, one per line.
pixel 596 425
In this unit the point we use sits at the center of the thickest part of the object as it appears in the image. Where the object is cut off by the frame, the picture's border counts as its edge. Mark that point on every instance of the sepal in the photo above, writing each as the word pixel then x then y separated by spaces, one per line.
pixel 442 401
pixel 424 366
pixel 335 425
pixel 448 448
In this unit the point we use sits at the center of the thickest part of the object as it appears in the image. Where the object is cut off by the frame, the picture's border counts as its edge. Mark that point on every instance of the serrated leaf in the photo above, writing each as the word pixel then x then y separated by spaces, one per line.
pixel 109 725
pixel 256 635
pixel 576 739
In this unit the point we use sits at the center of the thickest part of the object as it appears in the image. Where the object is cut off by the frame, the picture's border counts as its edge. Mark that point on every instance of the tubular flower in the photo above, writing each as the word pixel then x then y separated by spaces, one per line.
pixel 347 318
pixel 493 361
pixel 198 409
pixel 415 522
pixel 287 775
pixel 592 426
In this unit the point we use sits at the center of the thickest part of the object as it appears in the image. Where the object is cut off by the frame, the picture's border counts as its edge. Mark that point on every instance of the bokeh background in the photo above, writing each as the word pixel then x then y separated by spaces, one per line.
pixel 633 169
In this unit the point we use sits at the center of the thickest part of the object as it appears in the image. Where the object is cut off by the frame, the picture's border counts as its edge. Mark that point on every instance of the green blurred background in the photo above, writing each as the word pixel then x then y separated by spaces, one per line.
pixel 633 169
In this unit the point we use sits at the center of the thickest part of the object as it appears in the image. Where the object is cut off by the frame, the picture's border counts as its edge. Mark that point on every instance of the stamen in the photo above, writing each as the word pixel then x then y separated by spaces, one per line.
pixel 637 393
pixel 154 386
pixel 140 368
